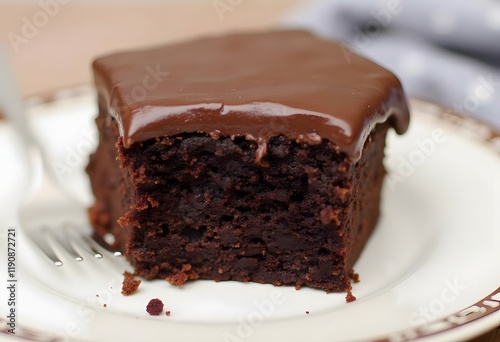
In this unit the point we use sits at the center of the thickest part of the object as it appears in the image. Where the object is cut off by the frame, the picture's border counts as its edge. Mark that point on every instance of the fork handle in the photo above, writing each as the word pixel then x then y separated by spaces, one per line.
pixel 10 99
pixel 12 106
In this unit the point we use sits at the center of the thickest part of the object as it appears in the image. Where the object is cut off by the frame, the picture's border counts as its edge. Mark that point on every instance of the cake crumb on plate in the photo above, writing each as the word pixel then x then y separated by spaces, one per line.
pixel 155 307
pixel 130 284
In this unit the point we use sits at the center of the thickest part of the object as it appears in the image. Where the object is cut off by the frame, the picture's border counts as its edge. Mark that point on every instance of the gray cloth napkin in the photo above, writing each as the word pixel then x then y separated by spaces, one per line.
pixel 444 51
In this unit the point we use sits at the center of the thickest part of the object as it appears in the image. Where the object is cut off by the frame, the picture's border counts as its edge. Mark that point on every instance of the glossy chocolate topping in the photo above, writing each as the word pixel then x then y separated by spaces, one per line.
pixel 254 85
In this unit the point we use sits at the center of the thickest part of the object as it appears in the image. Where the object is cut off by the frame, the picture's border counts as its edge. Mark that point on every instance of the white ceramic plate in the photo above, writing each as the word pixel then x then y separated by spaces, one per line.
pixel 431 270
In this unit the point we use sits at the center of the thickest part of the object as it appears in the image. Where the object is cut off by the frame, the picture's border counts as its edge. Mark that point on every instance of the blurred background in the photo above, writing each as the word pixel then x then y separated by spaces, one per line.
pixel 53 42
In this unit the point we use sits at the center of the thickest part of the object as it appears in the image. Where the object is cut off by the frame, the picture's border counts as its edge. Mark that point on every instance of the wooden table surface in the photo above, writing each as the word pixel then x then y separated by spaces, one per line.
pixel 57 52
pixel 52 47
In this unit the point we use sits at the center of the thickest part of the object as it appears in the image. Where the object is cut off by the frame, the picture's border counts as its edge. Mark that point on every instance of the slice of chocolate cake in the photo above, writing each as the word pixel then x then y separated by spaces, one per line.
pixel 249 157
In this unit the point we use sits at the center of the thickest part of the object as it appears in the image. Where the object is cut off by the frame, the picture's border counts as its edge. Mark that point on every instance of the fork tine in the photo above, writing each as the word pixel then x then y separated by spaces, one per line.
pixel 83 242
pixel 69 245
pixel 105 245
pixel 63 241
pixel 45 247
pixel 69 242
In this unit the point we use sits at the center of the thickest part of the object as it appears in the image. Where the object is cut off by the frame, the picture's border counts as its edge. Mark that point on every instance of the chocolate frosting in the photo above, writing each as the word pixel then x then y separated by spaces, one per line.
pixel 255 85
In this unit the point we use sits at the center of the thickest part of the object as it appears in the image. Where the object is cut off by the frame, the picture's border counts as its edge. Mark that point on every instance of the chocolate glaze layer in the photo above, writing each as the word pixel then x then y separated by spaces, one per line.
pixel 255 85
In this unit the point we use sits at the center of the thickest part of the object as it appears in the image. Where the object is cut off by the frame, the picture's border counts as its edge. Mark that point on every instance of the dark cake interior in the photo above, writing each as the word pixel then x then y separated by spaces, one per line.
pixel 193 192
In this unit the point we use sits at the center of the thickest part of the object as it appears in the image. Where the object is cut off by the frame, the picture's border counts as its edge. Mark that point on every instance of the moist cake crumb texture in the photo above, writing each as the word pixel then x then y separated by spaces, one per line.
pixel 254 157
pixel 349 297
pixel 130 285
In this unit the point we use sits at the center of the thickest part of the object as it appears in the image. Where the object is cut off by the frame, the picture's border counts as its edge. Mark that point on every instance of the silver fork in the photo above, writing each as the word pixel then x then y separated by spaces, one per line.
pixel 50 216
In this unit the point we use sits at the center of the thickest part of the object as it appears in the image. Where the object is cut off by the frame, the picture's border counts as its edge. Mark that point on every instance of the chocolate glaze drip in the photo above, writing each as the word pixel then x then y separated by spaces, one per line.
pixel 255 85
